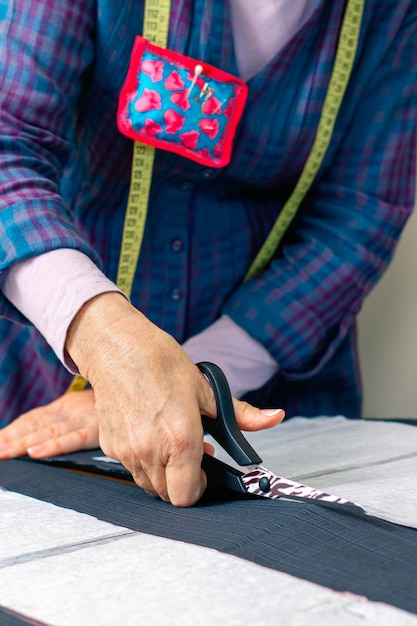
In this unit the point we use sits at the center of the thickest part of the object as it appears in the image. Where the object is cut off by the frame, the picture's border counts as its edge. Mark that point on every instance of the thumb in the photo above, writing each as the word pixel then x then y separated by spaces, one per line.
pixel 251 418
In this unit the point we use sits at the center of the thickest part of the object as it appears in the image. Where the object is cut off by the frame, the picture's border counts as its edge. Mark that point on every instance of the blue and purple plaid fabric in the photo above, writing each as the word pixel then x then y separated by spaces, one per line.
pixel 64 177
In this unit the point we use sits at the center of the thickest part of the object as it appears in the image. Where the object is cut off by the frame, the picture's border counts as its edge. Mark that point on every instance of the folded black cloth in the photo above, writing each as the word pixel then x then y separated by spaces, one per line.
pixel 344 552
pixel 10 618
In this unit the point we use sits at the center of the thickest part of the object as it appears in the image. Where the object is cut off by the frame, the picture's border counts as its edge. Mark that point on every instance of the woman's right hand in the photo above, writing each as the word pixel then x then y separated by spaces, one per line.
pixel 149 398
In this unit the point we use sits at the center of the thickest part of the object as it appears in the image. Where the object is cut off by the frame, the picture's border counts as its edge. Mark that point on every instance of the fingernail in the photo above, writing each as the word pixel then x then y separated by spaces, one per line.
pixel 35 450
pixel 271 412
pixel 4 447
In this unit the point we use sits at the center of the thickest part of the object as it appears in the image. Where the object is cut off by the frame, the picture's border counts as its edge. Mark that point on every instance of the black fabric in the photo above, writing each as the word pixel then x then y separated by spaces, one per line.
pixel 362 555
pixel 217 479
pixel 10 618
pixel 89 461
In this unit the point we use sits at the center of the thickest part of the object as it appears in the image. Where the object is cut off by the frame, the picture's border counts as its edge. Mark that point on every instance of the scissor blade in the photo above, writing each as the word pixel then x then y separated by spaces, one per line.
pixel 262 482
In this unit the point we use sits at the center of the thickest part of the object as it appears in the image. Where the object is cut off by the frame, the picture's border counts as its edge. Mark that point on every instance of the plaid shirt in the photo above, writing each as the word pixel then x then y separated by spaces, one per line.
pixel 64 177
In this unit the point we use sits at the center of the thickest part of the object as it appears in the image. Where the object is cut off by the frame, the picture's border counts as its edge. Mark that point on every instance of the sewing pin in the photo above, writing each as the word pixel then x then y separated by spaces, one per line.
pixel 197 71
pixel 217 109
pixel 203 90
pixel 209 93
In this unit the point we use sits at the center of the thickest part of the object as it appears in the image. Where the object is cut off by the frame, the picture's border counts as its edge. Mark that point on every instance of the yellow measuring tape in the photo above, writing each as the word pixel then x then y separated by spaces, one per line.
pixel 345 56
pixel 155 29
pixel 156 25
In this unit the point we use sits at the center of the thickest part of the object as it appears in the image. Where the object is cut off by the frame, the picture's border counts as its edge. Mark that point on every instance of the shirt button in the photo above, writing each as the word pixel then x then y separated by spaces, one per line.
pixel 177 245
pixel 176 294
pixel 207 174
pixel 186 186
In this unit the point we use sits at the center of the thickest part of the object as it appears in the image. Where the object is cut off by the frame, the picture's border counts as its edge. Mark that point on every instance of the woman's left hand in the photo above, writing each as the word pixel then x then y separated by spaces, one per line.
pixel 65 425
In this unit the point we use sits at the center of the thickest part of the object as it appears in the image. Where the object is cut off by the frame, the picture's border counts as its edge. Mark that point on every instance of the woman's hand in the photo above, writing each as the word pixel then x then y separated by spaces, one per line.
pixel 65 425
pixel 149 398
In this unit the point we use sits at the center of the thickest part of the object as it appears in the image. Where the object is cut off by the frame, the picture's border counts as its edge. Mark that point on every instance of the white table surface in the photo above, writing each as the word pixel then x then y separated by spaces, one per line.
pixel 69 569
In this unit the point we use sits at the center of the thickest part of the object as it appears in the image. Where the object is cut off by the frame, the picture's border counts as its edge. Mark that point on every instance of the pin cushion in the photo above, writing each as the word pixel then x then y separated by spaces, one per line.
pixel 180 104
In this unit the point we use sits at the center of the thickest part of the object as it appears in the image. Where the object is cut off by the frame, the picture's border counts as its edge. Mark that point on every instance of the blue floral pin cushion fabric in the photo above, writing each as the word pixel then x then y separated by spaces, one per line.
pixel 177 103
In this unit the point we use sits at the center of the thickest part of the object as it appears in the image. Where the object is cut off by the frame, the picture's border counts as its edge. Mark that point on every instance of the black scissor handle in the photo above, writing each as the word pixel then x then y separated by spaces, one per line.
pixel 224 428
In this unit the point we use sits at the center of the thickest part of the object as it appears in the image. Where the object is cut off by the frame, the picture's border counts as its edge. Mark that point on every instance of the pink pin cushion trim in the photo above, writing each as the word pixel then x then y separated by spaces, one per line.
pixel 180 104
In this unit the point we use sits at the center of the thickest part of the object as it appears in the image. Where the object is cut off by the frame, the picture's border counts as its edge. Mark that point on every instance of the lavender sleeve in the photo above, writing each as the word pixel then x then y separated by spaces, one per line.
pixel 49 289
pixel 246 363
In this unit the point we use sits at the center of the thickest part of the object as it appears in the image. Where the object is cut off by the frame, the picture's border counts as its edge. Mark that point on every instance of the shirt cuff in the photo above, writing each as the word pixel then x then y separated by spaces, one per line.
pixel 246 363
pixel 50 289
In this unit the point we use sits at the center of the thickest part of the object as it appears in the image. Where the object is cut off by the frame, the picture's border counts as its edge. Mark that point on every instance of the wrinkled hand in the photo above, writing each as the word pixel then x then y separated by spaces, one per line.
pixel 149 398
pixel 65 425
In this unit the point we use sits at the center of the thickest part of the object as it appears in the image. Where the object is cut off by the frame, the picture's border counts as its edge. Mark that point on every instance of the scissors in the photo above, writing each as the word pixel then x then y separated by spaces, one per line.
pixel 255 479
